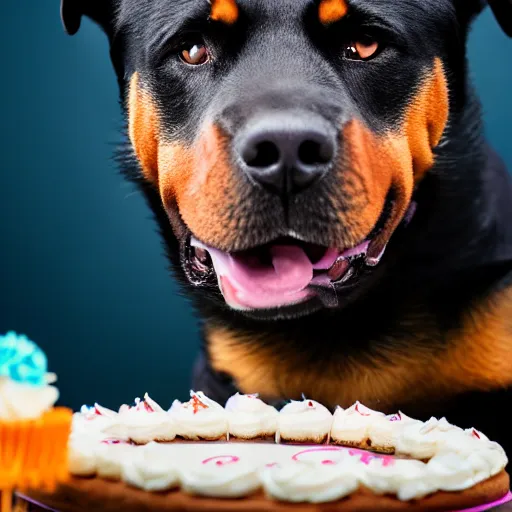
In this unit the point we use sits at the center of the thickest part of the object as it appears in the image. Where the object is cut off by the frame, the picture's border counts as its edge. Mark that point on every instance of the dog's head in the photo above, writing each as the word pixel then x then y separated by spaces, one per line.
pixel 286 138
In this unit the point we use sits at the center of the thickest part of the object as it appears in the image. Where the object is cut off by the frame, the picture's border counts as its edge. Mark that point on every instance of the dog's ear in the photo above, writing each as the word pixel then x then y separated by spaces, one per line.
pixel 502 9
pixel 100 11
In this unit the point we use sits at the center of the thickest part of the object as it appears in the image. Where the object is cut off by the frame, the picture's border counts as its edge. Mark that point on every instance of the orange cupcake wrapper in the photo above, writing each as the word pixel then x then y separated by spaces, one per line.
pixel 33 453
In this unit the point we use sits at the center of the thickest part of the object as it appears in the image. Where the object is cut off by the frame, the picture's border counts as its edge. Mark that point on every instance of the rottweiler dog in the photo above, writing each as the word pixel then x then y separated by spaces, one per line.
pixel 327 198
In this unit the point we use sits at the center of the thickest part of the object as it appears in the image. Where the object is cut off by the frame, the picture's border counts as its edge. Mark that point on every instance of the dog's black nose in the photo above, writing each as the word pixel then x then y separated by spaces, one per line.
pixel 287 153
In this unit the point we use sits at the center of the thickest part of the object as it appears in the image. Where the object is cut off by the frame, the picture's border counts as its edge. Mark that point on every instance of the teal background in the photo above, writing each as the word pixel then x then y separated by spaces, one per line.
pixel 82 270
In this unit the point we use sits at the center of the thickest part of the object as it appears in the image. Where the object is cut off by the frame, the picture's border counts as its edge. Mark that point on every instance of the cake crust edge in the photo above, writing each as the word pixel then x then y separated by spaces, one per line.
pixel 84 494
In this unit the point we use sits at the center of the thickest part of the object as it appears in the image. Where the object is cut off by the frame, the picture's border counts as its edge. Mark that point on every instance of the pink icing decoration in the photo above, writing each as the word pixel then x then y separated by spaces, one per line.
pixel 197 404
pixel 475 433
pixel 222 460
pixel 362 413
pixel 318 449
pixel 115 441
pixel 396 417
pixel 364 457
pixel 367 457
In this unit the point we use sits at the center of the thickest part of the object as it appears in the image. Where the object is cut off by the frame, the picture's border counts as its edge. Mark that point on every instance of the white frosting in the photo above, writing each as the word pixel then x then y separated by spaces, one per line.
pixel 407 479
pixel 486 458
pixel 20 401
pixel 423 440
pixel 457 459
pixel 82 459
pixel 110 458
pixel 351 425
pixel 149 469
pixel 143 423
pixel 311 482
pixel 451 472
pixel 384 431
pixel 233 480
pixel 306 420
pixel 199 418
pixel 250 418
pixel 91 421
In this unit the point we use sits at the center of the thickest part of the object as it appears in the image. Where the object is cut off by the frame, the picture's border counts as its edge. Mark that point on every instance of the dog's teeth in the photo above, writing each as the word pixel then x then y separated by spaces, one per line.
pixel 339 268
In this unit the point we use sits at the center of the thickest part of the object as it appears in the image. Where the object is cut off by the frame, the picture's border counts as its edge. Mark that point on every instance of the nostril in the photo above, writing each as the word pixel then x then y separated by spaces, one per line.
pixel 263 154
pixel 314 153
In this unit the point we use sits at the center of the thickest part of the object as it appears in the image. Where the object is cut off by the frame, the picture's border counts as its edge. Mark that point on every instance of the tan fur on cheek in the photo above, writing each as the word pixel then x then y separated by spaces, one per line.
pixel 143 128
pixel 200 180
pixel 378 163
pixel 426 120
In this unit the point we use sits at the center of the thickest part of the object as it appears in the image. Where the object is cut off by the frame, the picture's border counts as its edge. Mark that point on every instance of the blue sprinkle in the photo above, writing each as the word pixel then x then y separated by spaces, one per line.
pixel 22 360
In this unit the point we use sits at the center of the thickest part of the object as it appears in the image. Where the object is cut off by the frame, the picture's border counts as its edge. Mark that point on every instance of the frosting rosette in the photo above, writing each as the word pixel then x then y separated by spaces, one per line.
pixel 150 469
pixel 82 458
pixel 304 420
pixel 91 421
pixel 25 392
pixel 232 479
pixel 350 426
pixel 146 421
pixel 250 418
pixel 200 418
pixel 383 432
pixel 407 479
pixel 423 440
pixel 312 482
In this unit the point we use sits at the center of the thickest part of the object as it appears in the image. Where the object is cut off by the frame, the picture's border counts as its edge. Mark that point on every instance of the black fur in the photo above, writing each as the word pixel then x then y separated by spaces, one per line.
pixel 458 248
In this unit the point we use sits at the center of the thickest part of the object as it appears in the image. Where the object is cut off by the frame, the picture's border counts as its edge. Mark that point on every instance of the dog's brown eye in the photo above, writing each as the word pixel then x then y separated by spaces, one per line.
pixel 196 55
pixel 363 49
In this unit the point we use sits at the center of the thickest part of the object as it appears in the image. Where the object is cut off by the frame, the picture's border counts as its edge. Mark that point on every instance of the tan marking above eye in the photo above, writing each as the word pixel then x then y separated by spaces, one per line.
pixel 224 11
pixel 331 11
pixel 196 55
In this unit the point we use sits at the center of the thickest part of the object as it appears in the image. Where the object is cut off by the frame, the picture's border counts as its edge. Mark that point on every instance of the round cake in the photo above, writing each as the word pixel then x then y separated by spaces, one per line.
pixel 198 455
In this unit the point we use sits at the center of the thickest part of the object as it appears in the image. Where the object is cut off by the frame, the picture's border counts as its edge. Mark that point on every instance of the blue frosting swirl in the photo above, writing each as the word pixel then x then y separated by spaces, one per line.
pixel 22 360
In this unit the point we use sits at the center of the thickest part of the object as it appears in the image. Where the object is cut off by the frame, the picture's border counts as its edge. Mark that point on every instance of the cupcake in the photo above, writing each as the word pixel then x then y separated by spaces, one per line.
pixel 142 423
pixel 304 421
pixel 251 419
pixel 199 419
pixel 33 433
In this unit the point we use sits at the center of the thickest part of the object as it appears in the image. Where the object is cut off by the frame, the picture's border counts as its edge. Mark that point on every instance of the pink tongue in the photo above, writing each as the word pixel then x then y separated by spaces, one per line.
pixel 248 286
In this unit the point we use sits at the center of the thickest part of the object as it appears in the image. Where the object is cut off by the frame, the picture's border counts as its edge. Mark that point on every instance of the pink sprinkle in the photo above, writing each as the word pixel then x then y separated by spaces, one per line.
pixel 328 462
pixel 361 413
pixel 115 441
pixel 221 460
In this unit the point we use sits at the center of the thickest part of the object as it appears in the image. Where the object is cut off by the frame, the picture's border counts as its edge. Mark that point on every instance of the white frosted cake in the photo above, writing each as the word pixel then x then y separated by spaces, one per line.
pixel 200 455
